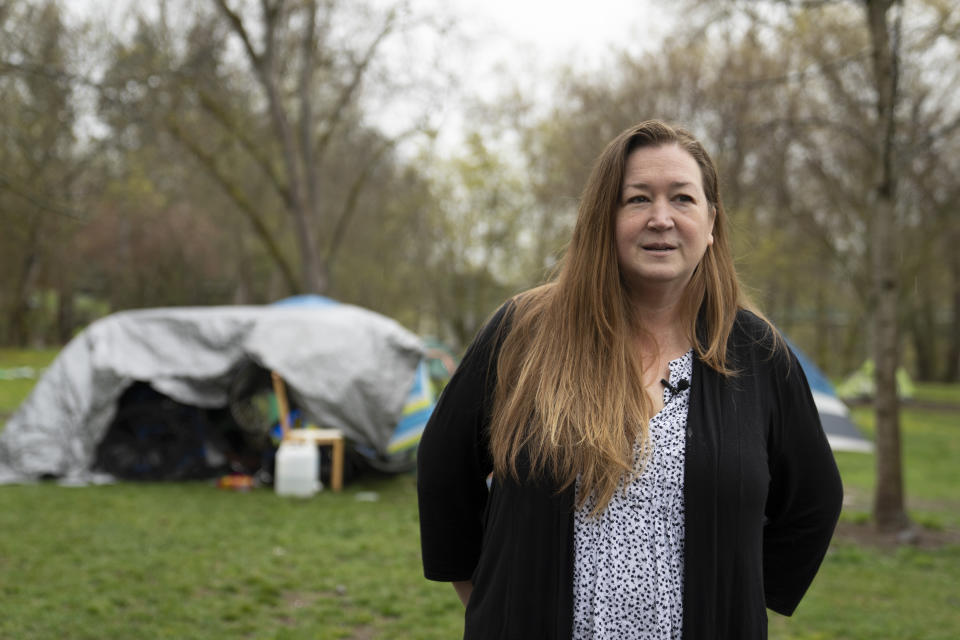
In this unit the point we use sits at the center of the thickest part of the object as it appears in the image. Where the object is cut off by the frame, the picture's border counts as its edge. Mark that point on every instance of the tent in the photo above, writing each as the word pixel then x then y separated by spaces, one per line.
pixel 860 384
pixel 345 367
pixel 834 414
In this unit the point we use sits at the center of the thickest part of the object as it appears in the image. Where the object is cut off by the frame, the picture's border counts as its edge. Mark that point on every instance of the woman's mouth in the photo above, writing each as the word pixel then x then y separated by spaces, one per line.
pixel 658 246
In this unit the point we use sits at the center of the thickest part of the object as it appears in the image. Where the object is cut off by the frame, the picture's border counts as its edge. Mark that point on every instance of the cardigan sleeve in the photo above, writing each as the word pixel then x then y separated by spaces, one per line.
pixel 805 493
pixel 453 463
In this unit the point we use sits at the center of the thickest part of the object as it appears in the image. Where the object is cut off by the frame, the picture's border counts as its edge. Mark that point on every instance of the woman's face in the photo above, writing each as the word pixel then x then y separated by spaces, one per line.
pixel 664 224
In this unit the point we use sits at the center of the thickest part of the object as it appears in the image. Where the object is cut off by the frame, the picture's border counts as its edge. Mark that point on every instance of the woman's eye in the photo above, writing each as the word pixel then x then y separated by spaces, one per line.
pixel 633 199
pixel 682 197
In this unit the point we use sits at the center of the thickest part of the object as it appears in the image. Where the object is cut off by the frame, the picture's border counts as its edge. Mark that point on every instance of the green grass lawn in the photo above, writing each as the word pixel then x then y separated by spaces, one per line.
pixel 192 561
pixel 938 392
pixel 13 391
pixel 874 592
pixel 37 358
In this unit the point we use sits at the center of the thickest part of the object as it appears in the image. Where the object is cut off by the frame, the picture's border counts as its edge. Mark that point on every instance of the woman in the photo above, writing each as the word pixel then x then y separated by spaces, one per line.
pixel 659 468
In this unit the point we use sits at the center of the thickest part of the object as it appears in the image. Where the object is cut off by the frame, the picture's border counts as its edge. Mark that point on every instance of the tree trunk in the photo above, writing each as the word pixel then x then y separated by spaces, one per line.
pixel 241 286
pixel 821 347
pixel 20 326
pixel 951 372
pixel 923 331
pixel 852 349
pixel 66 316
pixel 889 512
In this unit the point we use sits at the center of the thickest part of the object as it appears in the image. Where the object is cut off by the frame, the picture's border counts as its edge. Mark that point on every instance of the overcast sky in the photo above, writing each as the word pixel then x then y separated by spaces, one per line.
pixel 531 36
pixel 523 42
pixel 561 28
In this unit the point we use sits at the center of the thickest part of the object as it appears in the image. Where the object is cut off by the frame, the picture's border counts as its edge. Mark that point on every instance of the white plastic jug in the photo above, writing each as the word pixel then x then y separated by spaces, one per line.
pixel 297 469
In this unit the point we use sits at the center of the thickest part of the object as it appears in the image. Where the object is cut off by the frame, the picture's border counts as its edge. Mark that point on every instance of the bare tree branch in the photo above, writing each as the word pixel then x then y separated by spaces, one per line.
pixel 797 123
pixel 253 148
pixel 209 162
pixel 340 228
pixel 335 115
pixel 236 23
pixel 264 68
pixel 41 203
pixel 307 70
pixel 801 74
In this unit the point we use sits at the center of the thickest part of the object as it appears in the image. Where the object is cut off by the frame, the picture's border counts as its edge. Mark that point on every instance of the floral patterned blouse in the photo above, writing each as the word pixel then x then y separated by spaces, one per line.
pixel 628 569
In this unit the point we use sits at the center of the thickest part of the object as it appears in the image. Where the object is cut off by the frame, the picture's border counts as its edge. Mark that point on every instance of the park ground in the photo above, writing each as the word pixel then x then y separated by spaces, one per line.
pixel 188 560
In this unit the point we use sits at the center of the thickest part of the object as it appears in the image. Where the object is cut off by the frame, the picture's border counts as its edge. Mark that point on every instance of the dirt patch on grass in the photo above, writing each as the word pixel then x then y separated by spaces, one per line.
pixel 363 633
pixel 917 536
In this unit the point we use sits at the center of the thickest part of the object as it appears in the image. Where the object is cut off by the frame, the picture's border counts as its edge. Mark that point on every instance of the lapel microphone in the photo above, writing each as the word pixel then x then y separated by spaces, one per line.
pixel 682 386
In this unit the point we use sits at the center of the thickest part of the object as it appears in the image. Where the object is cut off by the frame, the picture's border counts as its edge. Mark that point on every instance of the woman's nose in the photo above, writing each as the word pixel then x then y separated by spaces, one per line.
pixel 661 217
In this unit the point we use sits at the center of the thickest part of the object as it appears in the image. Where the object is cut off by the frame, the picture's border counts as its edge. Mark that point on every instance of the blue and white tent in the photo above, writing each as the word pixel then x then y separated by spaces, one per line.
pixel 834 414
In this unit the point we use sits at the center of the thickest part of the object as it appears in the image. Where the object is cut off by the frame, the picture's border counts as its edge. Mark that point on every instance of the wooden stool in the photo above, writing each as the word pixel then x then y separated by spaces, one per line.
pixel 319 437
pixel 324 437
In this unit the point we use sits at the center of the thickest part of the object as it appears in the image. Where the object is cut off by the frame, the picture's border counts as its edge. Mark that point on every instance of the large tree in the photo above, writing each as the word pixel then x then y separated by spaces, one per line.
pixel 39 166
pixel 310 61
pixel 182 93
pixel 889 509
pixel 863 155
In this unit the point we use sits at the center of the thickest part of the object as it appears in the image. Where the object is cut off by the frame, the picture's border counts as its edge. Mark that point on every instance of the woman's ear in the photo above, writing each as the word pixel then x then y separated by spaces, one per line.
pixel 713 219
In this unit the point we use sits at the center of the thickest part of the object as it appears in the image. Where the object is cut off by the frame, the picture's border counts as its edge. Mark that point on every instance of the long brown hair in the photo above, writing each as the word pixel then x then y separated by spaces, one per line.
pixel 569 399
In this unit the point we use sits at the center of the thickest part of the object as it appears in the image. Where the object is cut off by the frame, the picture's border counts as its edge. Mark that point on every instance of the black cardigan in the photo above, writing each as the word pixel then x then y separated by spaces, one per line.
pixel 762 496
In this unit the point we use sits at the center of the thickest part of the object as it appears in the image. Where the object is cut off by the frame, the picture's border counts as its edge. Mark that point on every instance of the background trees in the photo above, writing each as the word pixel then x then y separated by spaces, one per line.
pixel 266 100
pixel 39 168
pixel 234 151
pixel 213 152
pixel 239 151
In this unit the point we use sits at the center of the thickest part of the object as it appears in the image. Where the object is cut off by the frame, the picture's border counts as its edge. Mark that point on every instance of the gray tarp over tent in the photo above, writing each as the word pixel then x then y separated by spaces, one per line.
pixel 349 368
